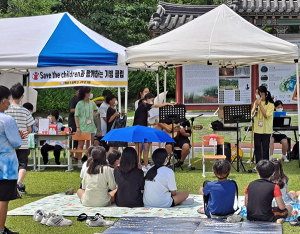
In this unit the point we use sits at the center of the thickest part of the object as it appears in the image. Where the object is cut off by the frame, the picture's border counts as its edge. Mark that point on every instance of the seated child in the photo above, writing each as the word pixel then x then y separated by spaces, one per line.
pixel 85 165
pixel 282 181
pixel 279 137
pixel 113 158
pixel 260 193
pixel 96 182
pixel 130 180
pixel 56 146
pixel 29 107
pixel 219 193
pixel 160 185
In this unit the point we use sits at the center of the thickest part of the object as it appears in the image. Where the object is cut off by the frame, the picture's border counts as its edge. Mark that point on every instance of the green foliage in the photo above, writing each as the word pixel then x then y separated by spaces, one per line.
pixel 139 79
pixel 59 98
pixel 19 8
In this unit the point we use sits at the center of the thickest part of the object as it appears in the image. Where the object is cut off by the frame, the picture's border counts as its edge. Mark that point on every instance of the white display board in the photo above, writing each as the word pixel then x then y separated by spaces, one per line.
pixel 208 85
pixel 280 80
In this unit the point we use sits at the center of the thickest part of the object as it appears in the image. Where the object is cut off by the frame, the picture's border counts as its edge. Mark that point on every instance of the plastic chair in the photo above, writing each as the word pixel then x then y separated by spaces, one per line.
pixel 205 142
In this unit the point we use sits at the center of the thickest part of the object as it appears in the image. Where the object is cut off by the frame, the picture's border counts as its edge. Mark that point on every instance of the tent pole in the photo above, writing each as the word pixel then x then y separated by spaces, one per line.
pixel 157 85
pixel 165 86
pixel 119 100
pixel 126 98
pixel 298 104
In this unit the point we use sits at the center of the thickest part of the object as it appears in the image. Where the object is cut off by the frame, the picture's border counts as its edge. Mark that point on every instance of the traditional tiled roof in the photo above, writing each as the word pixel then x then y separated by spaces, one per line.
pixel 169 16
pixel 265 6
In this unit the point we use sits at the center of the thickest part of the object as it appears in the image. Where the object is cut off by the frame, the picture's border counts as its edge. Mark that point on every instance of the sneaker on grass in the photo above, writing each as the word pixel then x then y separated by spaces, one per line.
pixel 58 221
pixel 46 217
pixel 7 231
pixel 98 221
pixel 284 158
pixel 21 187
pixel 38 215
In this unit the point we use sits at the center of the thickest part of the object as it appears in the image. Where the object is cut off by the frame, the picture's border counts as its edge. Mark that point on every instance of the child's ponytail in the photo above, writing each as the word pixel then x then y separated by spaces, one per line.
pixel 159 157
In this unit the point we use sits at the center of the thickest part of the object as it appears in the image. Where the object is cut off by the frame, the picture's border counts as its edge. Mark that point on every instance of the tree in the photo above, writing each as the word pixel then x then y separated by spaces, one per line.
pixel 20 8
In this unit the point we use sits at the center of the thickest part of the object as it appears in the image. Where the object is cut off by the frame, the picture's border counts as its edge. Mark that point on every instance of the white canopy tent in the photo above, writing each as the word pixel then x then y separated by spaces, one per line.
pixel 219 38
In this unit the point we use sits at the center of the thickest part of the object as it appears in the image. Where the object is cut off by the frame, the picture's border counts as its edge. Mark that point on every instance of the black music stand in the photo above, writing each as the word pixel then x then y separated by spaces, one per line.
pixel 172 115
pixel 237 114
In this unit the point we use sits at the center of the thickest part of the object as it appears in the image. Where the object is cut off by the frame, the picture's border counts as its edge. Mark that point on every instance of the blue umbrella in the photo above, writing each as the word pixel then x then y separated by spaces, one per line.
pixel 137 134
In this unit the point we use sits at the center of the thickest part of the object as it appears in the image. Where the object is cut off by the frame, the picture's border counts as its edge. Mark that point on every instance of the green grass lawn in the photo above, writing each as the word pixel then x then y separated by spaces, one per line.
pixel 52 181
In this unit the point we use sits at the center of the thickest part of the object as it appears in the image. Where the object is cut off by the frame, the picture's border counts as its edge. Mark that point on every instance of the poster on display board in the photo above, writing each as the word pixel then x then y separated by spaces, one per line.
pixel 100 76
pixel 210 85
pixel 280 80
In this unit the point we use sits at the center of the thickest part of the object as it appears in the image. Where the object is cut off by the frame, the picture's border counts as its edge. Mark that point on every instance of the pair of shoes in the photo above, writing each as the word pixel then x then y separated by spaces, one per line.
pixel 98 221
pixel 284 159
pixel 7 231
pixel 178 164
pixel 53 220
pixel 21 187
pixel 188 201
pixel 146 168
pixel 38 215
pixel 295 222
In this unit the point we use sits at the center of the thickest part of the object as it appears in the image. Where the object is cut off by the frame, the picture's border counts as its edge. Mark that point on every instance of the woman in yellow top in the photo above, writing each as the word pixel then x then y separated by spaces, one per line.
pixel 263 124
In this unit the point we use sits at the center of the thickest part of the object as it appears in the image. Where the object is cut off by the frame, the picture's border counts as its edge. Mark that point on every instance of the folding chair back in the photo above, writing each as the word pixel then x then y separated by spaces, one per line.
pixel 205 142
pixel 84 136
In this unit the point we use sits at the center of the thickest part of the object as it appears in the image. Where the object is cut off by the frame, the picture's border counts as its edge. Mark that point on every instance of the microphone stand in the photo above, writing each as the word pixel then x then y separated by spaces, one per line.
pixel 192 119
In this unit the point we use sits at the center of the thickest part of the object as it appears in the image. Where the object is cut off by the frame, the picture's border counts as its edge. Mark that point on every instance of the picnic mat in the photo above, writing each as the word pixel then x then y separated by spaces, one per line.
pixel 190 225
pixel 69 205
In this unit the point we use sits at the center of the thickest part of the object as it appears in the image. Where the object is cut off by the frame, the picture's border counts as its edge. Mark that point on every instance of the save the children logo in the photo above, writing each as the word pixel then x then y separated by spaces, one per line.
pixel 35 76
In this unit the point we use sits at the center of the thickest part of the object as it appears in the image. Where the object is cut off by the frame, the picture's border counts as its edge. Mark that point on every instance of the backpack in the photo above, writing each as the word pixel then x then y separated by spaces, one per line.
pixel 206 199
pixel 120 122
pixel 215 125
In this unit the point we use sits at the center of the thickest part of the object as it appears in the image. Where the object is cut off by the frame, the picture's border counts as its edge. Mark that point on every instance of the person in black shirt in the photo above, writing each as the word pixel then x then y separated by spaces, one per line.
pixel 141 118
pixel 111 112
pixel 130 180
pixel 181 140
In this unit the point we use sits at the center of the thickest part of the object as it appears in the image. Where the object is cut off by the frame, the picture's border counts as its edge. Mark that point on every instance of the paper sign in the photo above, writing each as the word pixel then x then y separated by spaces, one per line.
pixel 53 129
pixel 44 126
pixel 286 122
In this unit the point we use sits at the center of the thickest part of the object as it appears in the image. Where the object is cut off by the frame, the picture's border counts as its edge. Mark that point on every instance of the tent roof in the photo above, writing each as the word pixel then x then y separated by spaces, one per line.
pixel 220 37
pixel 54 40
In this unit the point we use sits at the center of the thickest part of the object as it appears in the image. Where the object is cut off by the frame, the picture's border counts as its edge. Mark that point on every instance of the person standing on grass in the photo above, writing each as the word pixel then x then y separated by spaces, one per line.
pixel 263 124
pixel 25 121
pixel 103 111
pixel 72 106
pixel 141 118
pixel 10 140
pixel 84 113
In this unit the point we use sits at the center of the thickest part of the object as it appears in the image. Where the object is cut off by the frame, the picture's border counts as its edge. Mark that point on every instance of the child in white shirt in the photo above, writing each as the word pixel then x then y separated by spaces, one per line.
pixel 160 185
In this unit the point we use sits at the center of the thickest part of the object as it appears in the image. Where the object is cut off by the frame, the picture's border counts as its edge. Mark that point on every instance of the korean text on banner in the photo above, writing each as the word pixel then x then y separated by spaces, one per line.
pixel 106 76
